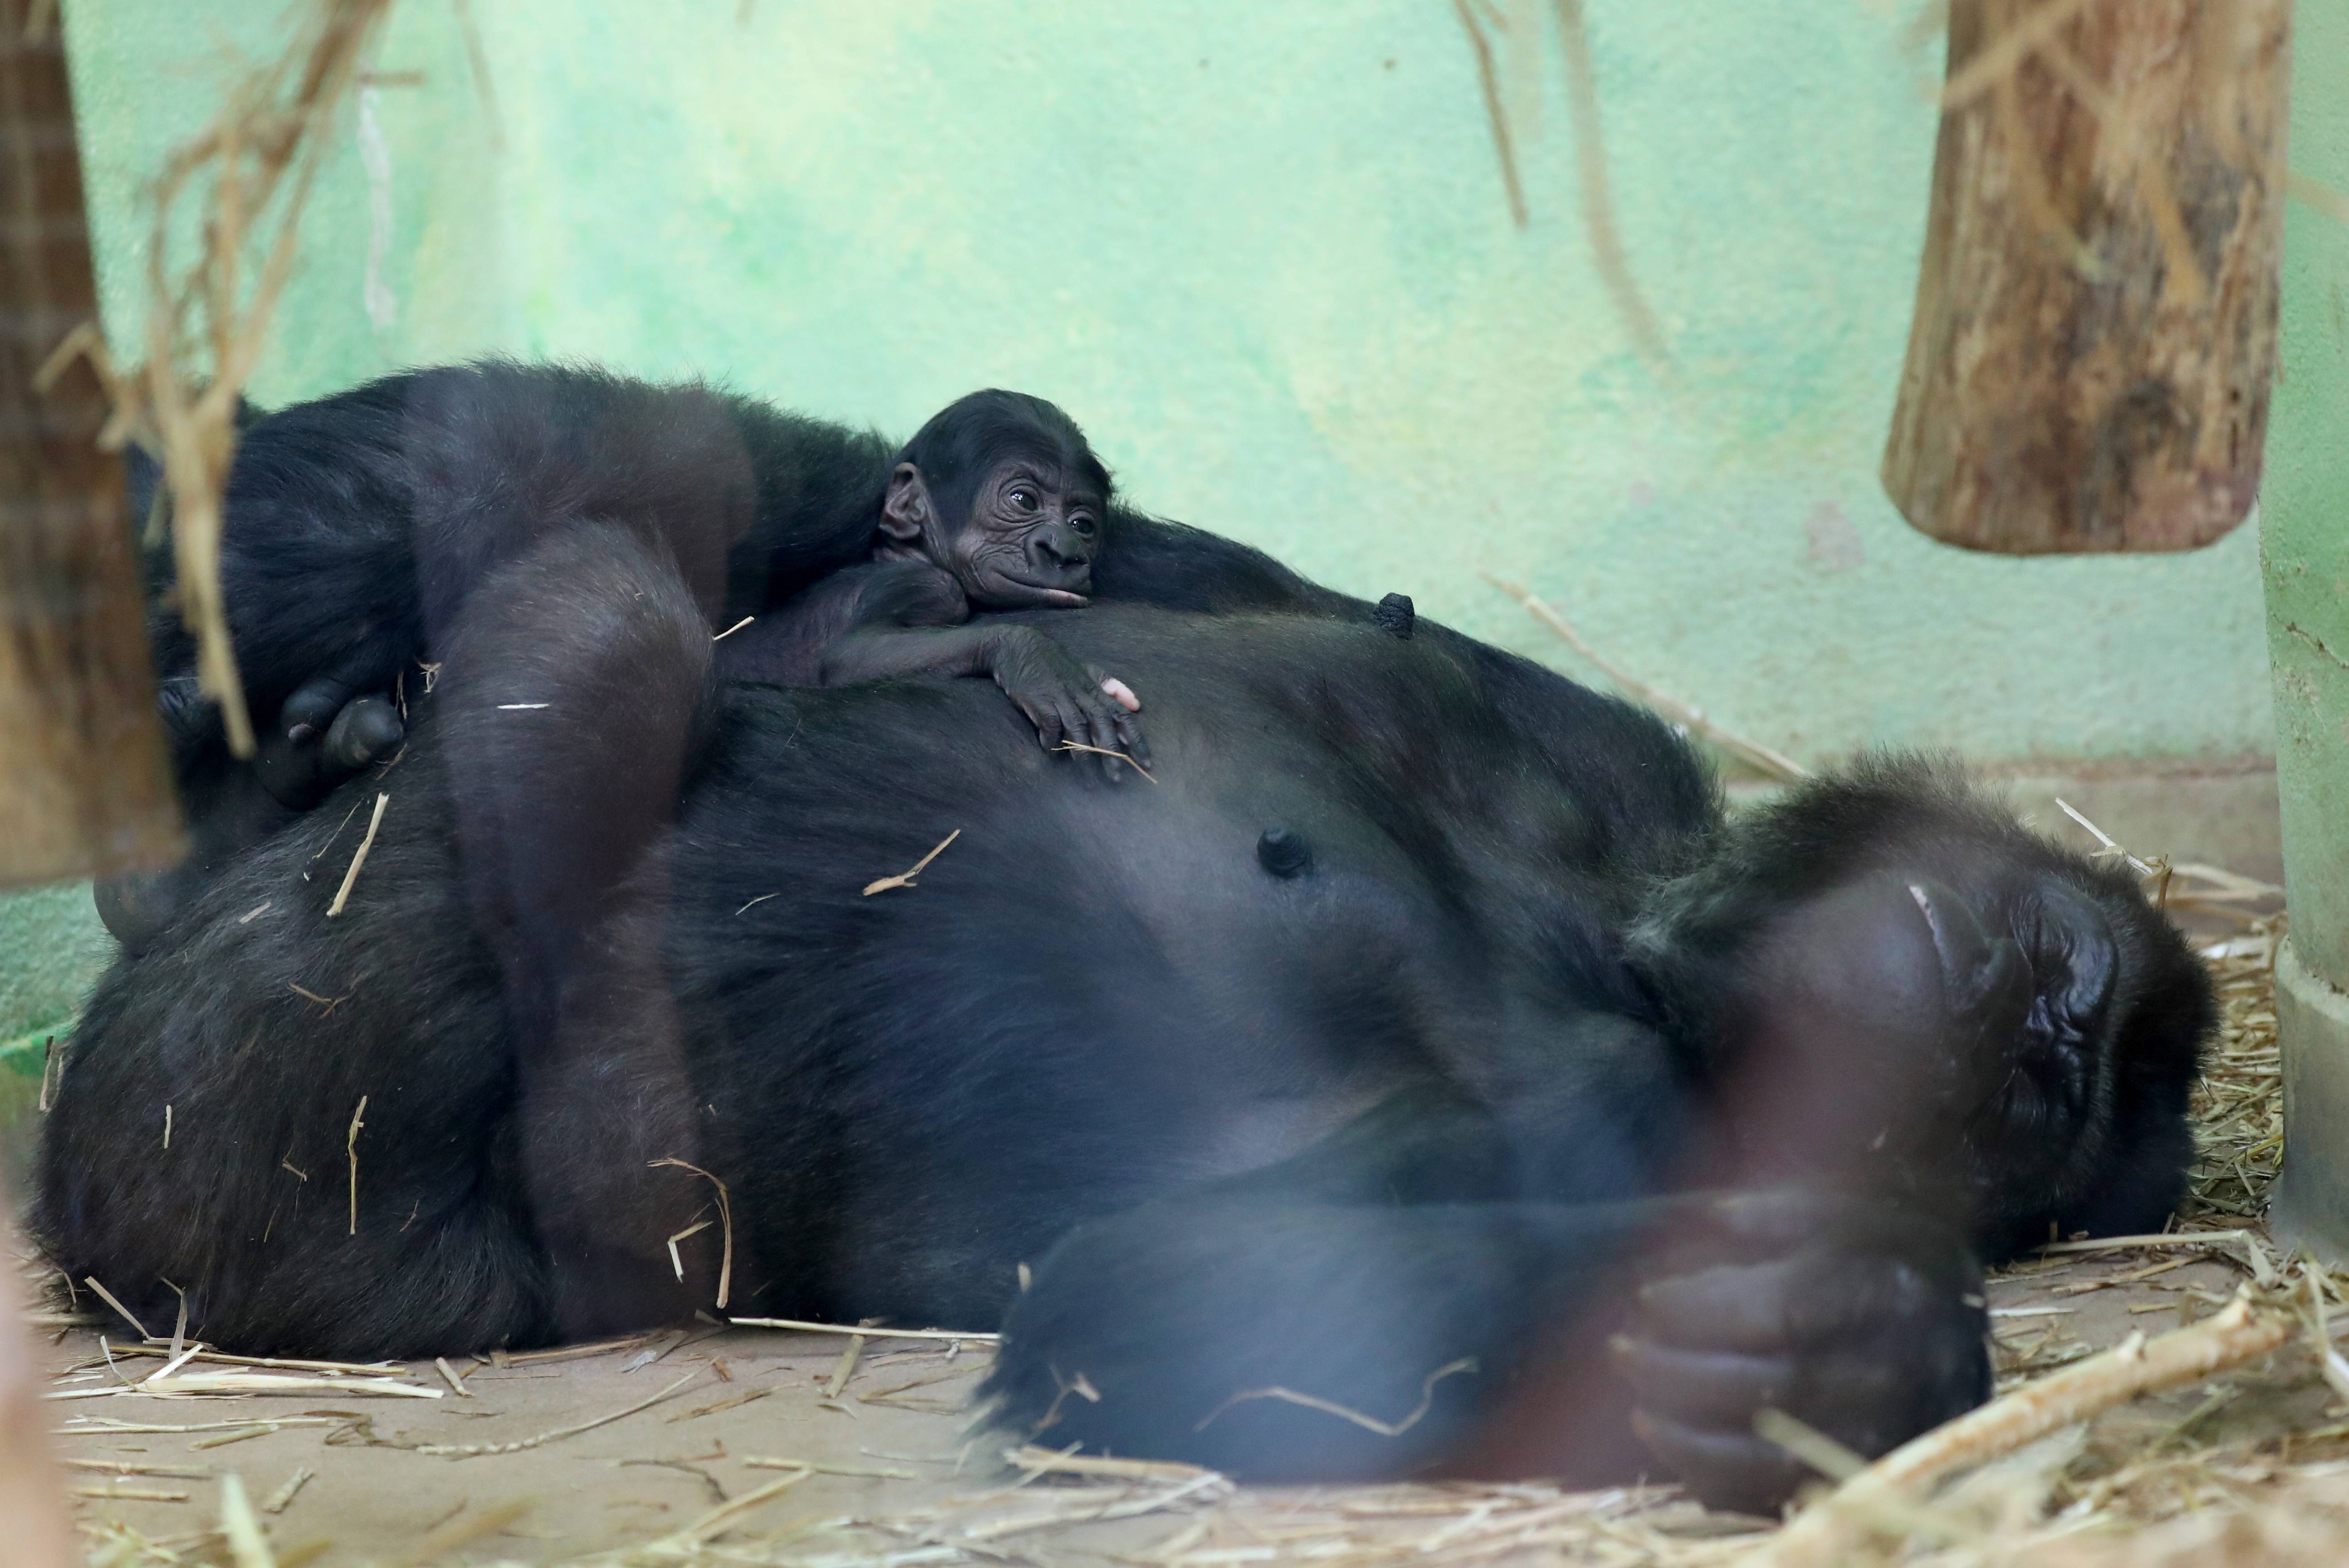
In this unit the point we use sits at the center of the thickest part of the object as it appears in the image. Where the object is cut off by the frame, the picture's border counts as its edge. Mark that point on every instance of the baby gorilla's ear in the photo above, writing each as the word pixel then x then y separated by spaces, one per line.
pixel 906 511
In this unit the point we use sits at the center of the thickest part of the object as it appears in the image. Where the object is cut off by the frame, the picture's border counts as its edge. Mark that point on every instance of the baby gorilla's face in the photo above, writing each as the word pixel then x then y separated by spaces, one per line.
pixel 1028 540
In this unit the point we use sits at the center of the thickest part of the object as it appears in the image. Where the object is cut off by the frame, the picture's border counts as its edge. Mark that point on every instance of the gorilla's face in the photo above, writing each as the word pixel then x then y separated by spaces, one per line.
pixel 1028 540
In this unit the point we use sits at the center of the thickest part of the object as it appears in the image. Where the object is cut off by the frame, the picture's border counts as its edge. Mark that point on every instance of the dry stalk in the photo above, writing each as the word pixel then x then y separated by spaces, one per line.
pixel 343 894
pixel 255 165
pixel 1329 1407
pixel 351 1148
pixel 1775 764
pixel 725 1218
pixel 1598 205
pixel 475 1451
pixel 1827 1532
pixel 907 878
pixel 865 1331
pixel 1097 751
pixel 1599 223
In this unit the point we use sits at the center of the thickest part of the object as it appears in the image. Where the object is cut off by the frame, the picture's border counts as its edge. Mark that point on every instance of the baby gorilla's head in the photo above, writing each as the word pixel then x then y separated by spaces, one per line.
pixel 1000 491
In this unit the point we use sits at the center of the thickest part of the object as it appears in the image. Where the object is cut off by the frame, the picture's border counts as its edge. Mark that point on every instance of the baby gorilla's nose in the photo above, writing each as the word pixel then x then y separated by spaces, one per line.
pixel 1056 550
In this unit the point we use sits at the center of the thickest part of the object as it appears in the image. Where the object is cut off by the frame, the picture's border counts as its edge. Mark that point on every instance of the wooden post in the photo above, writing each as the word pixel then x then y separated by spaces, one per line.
pixel 2095 321
pixel 84 784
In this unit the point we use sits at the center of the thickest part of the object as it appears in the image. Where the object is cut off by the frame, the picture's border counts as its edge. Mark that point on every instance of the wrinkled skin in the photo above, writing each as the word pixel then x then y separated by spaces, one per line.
pixel 1423 1042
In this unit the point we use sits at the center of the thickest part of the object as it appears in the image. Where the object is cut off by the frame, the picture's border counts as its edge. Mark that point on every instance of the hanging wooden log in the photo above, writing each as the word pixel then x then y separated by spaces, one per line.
pixel 85 787
pixel 2095 321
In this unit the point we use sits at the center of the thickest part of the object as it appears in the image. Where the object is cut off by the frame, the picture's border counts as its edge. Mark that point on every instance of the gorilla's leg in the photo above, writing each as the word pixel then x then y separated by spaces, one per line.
pixel 577 684
pixel 304 1122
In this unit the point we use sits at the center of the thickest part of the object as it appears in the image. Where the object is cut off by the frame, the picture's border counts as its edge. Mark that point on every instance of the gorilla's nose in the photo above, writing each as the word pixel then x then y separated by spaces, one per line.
pixel 1056 549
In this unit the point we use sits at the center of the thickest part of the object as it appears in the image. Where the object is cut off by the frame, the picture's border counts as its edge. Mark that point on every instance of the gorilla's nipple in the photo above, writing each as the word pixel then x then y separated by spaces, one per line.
pixel 1282 852
pixel 1395 616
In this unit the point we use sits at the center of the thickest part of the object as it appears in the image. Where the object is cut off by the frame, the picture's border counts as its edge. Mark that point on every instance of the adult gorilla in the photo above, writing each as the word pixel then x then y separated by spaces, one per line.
pixel 1361 1064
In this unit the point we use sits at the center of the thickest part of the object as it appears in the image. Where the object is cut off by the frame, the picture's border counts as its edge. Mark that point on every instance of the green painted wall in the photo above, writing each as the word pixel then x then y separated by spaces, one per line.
pixel 1261 253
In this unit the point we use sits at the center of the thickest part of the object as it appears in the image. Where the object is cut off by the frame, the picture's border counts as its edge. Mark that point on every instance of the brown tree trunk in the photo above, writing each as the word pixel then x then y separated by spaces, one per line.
pixel 2096 318
pixel 84 782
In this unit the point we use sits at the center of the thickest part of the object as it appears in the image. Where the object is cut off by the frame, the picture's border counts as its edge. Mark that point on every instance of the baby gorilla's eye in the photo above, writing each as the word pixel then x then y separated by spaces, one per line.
pixel 1021 497
pixel 1084 525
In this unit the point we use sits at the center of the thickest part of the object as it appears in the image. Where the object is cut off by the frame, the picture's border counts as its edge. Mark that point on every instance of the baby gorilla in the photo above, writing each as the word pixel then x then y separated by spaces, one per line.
pixel 995 504
pixel 1011 521
pixel 366 533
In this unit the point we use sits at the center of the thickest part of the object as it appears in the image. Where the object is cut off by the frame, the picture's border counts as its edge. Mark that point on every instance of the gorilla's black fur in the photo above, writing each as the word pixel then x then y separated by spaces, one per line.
pixel 1425 1004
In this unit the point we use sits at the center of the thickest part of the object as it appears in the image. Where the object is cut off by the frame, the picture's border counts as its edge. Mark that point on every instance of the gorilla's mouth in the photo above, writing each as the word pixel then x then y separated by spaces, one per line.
pixel 1003 588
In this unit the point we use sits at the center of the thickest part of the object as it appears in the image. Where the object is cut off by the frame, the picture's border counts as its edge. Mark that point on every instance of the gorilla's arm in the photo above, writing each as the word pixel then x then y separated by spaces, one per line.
pixel 891 619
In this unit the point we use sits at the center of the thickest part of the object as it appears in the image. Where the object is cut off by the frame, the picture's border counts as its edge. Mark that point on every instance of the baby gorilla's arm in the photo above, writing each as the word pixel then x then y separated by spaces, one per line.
pixel 900 618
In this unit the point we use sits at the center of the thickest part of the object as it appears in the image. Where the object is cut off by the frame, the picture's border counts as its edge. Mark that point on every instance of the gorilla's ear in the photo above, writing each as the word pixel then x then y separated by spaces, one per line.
pixel 905 509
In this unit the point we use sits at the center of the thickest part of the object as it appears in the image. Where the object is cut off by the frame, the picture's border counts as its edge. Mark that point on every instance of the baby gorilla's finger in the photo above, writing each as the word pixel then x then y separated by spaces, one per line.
pixel 313 707
pixel 1120 693
pixel 366 730
pixel 1725 1307
pixel 1044 714
pixel 1710 1388
pixel 1130 738
pixel 1101 730
pixel 1741 1472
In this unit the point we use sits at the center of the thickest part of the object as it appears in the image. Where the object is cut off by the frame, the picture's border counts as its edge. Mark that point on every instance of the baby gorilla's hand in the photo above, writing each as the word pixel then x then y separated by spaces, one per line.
pixel 1862 1321
pixel 324 735
pixel 1071 704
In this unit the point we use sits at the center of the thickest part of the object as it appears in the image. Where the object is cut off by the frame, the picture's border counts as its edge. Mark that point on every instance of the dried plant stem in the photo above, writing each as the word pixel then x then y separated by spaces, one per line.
pixel 1777 764
pixel 1598 205
pixel 1826 1533
pixel 905 878
pixel 1489 82
pixel 474 1451
pixel 865 1330
pixel 107 1297
pixel 343 894
pixel 1329 1407
pixel 263 153
pixel 247 1546
pixel 351 1148
pixel 725 1218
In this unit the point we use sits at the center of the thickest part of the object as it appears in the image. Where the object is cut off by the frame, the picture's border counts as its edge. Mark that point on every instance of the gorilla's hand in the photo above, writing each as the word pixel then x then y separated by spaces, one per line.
pixel 1068 702
pixel 1860 1320
pixel 324 736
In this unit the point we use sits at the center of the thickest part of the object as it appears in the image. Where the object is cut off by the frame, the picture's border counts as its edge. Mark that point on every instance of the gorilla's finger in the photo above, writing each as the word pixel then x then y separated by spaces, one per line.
pixel 312 705
pixel 1739 1472
pixel 1051 728
pixel 293 772
pixel 1121 693
pixel 1131 739
pixel 366 729
pixel 1748 1228
pixel 1102 732
pixel 1712 1388
pixel 1725 1307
